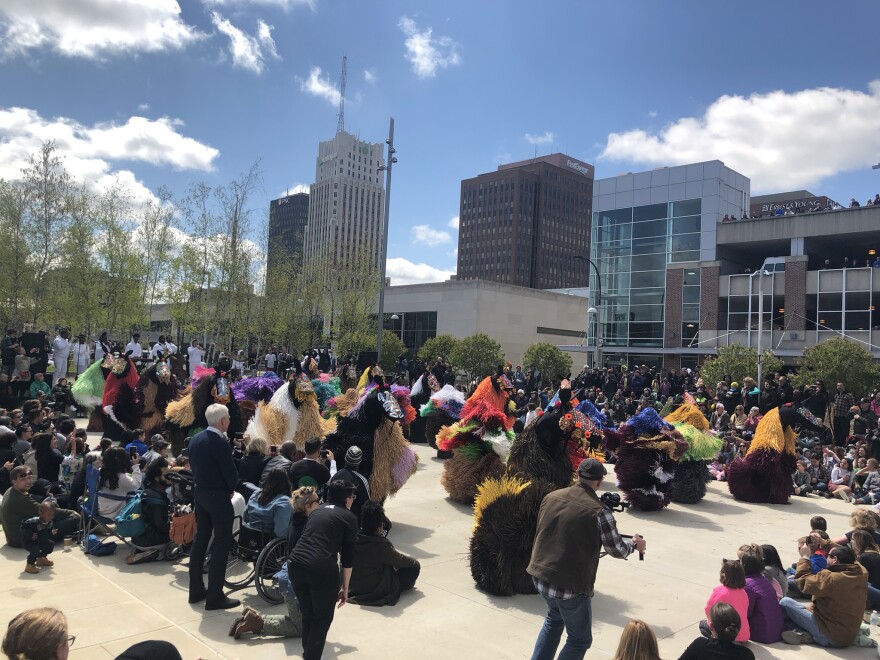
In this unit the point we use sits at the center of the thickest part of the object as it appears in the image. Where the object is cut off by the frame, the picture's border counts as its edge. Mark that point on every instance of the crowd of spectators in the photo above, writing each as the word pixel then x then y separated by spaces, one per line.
pixel 780 210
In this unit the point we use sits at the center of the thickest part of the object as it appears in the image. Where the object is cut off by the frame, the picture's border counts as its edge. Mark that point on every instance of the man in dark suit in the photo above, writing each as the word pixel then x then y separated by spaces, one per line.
pixel 215 476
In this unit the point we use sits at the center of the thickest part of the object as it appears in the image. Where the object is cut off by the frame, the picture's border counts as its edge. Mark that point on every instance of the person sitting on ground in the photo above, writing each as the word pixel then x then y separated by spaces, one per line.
pixel 818 476
pixel 23 435
pixel 318 464
pixel 7 458
pixel 380 573
pixel 818 524
pixel 159 448
pixel 764 615
pixel 818 546
pixel 74 453
pixel 155 506
pixel 303 501
pixel 353 458
pixel 869 491
pixel 252 464
pixel 840 479
pixel 866 519
pixel 724 626
pixel 62 396
pixel 39 388
pixel 637 642
pixel 268 509
pixel 284 458
pixel 39 534
pixel 136 439
pixel 839 594
pixel 801 479
pixel 116 481
pixel 867 553
pixel 731 590
pixel 38 634
pixel 774 571
pixel 18 505
pixel 48 457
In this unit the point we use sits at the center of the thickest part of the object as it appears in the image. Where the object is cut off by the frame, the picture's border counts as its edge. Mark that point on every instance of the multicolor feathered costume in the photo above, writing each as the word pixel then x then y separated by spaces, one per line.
pixel 506 509
pixel 156 388
pixel 372 424
pixel 326 387
pixel 764 474
pixel 88 391
pixel 257 388
pixel 186 416
pixel 291 414
pixel 118 401
pixel 480 440
pixel 404 399
pixel 691 474
pixel 442 409
pixel 648 450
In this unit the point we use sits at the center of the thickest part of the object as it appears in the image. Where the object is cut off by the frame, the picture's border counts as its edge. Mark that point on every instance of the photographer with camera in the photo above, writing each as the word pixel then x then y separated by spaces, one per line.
pixel 573 527
pixel 319 464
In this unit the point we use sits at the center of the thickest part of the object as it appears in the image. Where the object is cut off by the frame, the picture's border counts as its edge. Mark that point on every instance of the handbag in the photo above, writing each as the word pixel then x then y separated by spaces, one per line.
pixel 183 528
pixel 129 521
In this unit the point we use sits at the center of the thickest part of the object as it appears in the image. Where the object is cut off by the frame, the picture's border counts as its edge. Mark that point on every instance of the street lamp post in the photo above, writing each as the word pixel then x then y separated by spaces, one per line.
pixel 597 340
pixel 389 162
pixel 593 316
pixel 771 261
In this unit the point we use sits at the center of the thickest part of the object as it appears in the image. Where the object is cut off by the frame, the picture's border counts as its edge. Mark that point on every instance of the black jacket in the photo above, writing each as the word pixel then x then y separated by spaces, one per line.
pixel 308 468
pixel 329 537
pixel 210 458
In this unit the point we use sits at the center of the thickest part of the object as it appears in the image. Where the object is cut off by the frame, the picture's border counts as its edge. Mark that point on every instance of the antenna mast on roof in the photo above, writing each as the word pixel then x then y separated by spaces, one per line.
pixel 340 125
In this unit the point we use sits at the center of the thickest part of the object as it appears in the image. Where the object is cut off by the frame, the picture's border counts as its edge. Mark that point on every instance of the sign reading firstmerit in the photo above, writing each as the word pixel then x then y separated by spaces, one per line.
pixel 577 167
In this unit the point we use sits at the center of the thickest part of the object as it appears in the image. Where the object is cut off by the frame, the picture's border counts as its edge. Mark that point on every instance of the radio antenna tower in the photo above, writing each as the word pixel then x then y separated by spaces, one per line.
pixel 340 124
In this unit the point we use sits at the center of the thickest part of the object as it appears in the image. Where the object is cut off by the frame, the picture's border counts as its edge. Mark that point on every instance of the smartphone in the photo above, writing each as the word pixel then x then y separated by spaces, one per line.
pixel 239 435
pixel 133 452
pixel 273 449
pixel 324 453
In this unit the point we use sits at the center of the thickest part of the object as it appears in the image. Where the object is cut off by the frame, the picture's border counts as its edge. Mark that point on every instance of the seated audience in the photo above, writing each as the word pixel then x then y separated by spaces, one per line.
pixel 115 480
pixel 731 590
pixel 774 571
pixel 318 465
pixel 764 615
pixel 867 553
pixel 48 457
pixel 268 509
pixel 380 573
pixel 155 507
pixel 18 505
pixel 252 464
pixel 284 458
pixel 869 490
pixel 637 642
pixel 866 519
pixel 38 634
pixel 39 535
pixel 724 627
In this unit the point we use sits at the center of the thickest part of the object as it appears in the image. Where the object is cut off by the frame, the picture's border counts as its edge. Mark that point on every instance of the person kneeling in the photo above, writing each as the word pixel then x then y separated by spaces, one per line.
pixel 380 573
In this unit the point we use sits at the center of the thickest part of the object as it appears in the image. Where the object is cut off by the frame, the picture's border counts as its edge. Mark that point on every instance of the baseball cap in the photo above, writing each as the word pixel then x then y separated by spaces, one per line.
pixel 591 469
pixel 354 456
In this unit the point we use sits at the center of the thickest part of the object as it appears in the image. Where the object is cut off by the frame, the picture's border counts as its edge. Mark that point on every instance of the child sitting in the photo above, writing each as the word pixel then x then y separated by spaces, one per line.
pixel 869 491
pixel 724 625
pixel 818 559
pixel 731 591
pixel 38 535
pixel 765 614
pixel 801 480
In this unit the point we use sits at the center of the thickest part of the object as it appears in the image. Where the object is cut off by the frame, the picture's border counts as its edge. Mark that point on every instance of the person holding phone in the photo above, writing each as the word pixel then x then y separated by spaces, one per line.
pixel 319 464
pixel 116 480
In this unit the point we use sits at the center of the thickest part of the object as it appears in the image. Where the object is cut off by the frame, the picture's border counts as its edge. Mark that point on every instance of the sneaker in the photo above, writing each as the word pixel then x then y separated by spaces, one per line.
pixel 797 637
pixel 44 561
pixel 31 568
pixel 864 641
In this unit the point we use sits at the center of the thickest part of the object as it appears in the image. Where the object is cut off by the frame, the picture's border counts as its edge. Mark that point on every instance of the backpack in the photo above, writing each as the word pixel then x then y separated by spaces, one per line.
pixel 129 521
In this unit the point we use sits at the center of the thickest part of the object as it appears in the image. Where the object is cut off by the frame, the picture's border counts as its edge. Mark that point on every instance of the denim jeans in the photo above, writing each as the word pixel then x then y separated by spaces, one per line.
pixel 802 618
pixel 576 616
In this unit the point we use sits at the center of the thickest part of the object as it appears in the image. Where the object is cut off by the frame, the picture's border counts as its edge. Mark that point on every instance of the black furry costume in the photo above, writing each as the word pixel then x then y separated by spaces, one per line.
pixel 506 509
pixel 156 388
pixel 118 403
pixel 418 427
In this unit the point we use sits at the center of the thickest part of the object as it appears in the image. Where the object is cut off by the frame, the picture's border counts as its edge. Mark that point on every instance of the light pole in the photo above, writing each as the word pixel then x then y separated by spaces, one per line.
pixel 770 261
pixel 593 313
pixel 597 340
pixel 389 162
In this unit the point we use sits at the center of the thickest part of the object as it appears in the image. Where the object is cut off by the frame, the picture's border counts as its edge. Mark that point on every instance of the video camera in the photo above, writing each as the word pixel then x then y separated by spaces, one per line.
pixel 613 502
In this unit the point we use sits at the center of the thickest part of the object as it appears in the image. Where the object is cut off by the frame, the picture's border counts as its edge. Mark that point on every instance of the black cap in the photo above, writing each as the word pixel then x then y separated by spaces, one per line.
pixel 591 469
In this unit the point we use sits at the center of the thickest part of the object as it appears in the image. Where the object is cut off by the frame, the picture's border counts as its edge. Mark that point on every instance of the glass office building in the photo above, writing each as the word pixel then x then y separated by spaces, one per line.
pixel 643 224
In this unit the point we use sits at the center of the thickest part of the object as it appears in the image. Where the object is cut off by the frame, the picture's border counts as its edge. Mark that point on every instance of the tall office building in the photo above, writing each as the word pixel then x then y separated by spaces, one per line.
pixel 525 223
pixel 347 205
pixel 288 217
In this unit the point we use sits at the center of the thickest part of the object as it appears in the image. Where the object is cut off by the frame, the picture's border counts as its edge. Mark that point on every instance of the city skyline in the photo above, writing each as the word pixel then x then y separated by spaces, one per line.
pixel 171 93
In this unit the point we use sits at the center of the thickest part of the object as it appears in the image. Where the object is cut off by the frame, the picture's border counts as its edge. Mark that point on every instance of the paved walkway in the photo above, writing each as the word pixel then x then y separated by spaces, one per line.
pixel 111 605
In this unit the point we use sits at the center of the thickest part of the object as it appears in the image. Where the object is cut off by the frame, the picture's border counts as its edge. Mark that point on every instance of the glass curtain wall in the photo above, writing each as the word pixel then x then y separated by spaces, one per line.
pixel 631 248
pixel 690 307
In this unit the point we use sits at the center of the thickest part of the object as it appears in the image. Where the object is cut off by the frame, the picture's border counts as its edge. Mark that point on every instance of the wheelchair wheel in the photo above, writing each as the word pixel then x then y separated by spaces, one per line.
pixel 270 561
pixel 239 571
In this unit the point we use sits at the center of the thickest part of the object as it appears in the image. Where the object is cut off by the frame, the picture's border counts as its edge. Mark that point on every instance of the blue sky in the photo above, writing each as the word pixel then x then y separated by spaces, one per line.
pixel 169 93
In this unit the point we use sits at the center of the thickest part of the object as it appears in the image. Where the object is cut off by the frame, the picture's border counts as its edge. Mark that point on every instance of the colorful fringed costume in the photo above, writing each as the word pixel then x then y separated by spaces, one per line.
pixel 186 416
pixel 506 509
pixel 291 414
pixel 326 388
pixel 648 450
pixel 88 390
pixel 764 474
pixel 689 485
pixel 442 409
pixel 373 424
pixel 118 400
pixel 156 388
pixel 402 394
pixel 479 441
pixel 422 390
pixel 257 388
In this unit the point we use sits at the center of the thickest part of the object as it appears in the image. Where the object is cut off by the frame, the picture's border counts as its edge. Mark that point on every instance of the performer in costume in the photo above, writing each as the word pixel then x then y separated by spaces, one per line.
pixel 257 388
pixel 404 400
pixel 373 424
pixel 692 472
pixel 156 388
pixel 764 474
pixel 291 414
pixel 326 387
pixel 186 416
pixel 648 450
pixel 118 401
pixel 419 396
pixel 506 508
pixel 480 440
pixel 442 409
pixel 88 390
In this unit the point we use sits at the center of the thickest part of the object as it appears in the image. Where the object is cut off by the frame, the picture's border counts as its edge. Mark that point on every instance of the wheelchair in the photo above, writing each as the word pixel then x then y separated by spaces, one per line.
pixel 256 556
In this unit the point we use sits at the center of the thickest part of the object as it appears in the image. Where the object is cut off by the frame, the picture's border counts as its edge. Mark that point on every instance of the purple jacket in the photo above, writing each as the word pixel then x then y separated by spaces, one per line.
pixel 765 614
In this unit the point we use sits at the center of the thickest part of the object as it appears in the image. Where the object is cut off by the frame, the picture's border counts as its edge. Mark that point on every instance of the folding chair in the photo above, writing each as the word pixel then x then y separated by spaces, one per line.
pixel 92 520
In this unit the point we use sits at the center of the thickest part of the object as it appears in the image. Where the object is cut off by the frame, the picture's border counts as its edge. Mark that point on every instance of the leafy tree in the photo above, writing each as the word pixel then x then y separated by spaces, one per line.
pixel 436 346
pixel 478 355
pixel 739 362
pixel 549 360
pixel 392 348
pixel 15 268
pixel 839 360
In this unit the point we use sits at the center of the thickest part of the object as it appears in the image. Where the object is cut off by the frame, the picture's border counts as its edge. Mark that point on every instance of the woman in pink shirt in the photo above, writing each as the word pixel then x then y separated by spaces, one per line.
pixel 731 591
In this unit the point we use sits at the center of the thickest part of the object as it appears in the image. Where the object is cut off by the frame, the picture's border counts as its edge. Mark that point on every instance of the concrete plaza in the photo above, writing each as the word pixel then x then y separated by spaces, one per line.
pixel 111 605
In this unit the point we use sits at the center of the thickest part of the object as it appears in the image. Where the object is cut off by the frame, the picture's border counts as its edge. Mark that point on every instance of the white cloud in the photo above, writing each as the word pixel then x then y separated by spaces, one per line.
pixel 403 271
pixel 294 189
pixel 538 140
pixel 90 151
pixel 427 53
pixel 429 236
pixel 652 113
pixel 249 53
pixel 780 140
pixel 319 86
pixel 454 222
pixel 143 107
pixel 370 75
pixel 280 4
pixel 93 28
